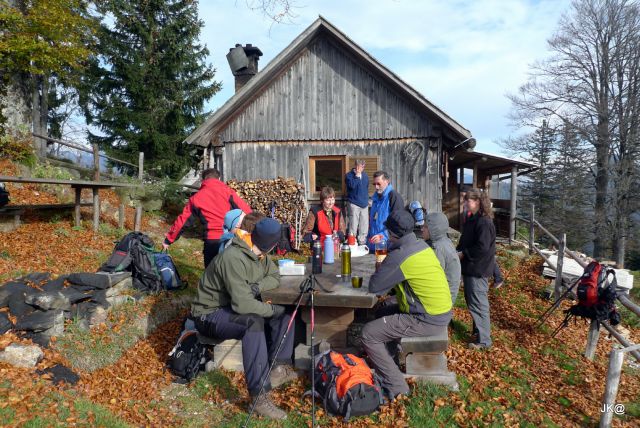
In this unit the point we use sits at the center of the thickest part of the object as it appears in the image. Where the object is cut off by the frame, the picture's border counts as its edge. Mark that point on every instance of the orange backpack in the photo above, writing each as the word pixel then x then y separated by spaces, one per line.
pixel 346 385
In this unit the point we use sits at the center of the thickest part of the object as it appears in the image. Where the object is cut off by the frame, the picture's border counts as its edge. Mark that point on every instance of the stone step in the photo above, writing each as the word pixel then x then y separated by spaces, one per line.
pixel 426 364
pixel 228 355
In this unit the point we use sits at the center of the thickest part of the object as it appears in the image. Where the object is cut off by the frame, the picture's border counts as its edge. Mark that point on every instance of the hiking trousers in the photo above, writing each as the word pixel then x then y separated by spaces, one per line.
pixel 358 222
pixel 476 295
pixel 389 328
pixel 253 330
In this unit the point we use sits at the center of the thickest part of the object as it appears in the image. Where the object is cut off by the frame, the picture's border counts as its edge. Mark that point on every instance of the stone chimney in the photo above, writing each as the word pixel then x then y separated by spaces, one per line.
pixel 243 61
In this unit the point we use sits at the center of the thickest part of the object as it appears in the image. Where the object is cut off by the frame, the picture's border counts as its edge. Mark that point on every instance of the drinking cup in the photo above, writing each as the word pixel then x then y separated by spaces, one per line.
pixel 356 281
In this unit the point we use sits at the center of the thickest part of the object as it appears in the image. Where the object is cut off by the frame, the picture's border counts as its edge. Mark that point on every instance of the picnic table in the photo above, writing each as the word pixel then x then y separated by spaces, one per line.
pixel 78 185
pixel 334 311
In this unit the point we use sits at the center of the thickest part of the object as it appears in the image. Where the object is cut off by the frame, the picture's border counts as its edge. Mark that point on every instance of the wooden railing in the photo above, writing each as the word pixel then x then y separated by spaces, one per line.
pixel 616 357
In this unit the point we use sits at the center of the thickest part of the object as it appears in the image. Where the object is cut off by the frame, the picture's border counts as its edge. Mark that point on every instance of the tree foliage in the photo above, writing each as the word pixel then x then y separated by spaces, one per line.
pixel 149 82
pixel 43 36
pixel 589 84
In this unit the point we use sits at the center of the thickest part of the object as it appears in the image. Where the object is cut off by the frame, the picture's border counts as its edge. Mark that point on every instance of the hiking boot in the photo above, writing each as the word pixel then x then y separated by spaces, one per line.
pixel 498 284
pixel 282 374
pixel 474 345
pixel 265 407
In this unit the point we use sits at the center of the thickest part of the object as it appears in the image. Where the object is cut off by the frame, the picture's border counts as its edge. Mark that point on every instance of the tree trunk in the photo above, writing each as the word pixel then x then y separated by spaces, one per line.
pixel 36 119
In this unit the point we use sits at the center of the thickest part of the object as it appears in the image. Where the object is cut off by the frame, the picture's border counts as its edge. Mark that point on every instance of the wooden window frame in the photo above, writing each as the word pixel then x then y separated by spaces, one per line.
pixel 315 195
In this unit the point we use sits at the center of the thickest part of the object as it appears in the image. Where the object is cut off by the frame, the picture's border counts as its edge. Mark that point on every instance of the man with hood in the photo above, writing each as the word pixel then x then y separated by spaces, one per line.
pixel 385 200
pixel 435 232
pixel 228 306
pixel 423 299
pixel 209 205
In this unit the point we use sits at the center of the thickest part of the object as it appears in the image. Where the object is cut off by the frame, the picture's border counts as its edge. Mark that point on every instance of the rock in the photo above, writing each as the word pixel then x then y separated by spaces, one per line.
pixel 119 300
pixel 5 323
pixel 41 321
pixel 120 288
pixel 22 355
pixel 97 316
pixel 46 301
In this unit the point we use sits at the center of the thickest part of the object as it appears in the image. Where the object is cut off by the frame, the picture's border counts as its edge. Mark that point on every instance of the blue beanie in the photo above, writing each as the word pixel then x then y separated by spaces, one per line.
pixel 231 219
pixel 266 234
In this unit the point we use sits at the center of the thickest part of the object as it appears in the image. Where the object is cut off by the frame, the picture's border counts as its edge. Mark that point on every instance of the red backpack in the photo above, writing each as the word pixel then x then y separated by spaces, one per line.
pixel 346 385
pixel 596 295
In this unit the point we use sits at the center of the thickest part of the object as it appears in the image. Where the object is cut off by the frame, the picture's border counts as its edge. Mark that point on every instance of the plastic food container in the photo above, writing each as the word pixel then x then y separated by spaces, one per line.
pixel 285 262
pixel 292 269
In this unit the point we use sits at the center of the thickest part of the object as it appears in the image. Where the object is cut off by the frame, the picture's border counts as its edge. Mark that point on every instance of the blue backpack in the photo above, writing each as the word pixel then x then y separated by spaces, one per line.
pixel 168 272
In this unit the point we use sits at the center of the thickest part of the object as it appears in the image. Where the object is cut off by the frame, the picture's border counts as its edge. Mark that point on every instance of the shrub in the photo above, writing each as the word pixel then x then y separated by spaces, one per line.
pixel 17 145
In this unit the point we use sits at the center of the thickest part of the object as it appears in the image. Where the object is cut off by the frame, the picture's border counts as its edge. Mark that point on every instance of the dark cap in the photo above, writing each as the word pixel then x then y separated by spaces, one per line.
pixel 266 234
pixel 399 223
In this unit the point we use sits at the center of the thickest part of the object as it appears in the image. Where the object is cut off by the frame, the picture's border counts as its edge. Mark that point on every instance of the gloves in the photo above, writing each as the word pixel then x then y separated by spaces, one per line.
pixel 255 290
pixel 278 311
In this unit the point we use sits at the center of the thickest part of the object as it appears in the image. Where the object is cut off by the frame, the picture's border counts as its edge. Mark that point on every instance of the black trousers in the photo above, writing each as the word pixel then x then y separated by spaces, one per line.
pixel 210 250
pixel 256 352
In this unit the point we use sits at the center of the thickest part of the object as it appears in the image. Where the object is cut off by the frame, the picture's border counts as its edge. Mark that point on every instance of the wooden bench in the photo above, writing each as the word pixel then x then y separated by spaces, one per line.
pixel 77 185
pixel 17 210
pixel 424 359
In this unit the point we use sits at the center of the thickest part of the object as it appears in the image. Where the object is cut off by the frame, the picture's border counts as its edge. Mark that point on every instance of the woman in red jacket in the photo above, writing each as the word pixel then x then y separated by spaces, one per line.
pixel 324 219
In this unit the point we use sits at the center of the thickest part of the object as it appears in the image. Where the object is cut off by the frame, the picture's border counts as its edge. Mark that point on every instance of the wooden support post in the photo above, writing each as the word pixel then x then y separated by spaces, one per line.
pixel 96 163
pixel 77 210
pixel 620 338
pixel 96 209
pixel 532 230
pixel 513 207
pixel 558 286
pixel 592 340
pixel 138 219
pixel 616 358
pixel 121 216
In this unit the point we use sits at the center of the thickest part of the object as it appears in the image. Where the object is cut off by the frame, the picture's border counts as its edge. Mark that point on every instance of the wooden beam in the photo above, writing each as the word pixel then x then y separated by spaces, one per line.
pixel 513 205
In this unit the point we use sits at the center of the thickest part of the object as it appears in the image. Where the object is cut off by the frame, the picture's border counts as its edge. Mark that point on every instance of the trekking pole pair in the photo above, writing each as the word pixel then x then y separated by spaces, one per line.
pixel 543 318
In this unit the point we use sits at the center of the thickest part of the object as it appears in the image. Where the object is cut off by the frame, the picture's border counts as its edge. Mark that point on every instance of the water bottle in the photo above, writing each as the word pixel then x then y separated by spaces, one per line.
pixel 328 249
pixel 345 255
pixel 316 259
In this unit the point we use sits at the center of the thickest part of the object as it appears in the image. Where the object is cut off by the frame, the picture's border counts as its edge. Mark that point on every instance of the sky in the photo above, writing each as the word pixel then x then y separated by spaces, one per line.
pixel 464 56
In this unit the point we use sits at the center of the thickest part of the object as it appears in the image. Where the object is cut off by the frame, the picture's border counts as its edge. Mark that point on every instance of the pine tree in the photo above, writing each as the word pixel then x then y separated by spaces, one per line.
pixel 148 86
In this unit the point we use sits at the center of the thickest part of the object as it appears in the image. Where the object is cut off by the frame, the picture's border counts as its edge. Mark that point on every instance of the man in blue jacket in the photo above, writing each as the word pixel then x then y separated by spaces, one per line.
pixel 358 198
pixel 385 200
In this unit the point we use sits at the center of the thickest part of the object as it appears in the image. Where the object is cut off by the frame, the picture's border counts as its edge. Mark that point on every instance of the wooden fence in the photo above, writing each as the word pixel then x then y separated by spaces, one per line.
pixel 616 357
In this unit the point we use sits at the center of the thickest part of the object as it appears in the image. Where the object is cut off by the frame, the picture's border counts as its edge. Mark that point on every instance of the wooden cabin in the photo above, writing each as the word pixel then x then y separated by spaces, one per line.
pixel 319 105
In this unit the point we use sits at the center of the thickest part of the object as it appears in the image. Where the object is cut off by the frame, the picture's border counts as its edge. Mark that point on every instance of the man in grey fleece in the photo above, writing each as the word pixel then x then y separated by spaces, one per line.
pixel 435 232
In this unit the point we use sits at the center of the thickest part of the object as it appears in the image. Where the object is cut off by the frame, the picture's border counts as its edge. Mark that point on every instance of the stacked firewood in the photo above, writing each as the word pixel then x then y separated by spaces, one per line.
pixel 284 198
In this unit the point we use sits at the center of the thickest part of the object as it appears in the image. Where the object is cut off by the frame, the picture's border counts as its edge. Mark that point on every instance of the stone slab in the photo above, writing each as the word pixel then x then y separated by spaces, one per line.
pixel 426 364
pixel 228 355
pixel 446 379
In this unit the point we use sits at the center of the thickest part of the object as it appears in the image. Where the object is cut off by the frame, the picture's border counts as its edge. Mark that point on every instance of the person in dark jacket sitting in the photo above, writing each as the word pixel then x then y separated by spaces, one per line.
pixel 228 306
pixel 477 249
pixel 324 219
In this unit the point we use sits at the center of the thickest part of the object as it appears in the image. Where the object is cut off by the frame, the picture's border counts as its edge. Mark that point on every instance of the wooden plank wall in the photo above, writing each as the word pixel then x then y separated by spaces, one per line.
pixel 413 164
pixel 327 95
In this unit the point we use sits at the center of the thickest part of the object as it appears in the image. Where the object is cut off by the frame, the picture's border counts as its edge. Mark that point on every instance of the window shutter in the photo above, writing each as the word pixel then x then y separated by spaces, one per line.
pixel 372 164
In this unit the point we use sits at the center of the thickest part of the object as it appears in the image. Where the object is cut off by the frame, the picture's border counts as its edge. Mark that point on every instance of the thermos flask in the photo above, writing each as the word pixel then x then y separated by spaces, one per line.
pixel 328 249
pixel 345 255
pixel 316 258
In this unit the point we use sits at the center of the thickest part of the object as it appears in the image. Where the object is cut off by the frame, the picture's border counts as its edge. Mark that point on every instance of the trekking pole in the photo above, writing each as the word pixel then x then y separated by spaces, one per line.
pixel 543 318
pixel 313 358
pixel 303 290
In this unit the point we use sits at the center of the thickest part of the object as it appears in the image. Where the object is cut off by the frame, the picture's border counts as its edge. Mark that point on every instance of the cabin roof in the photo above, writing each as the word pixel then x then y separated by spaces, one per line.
pixel 206 132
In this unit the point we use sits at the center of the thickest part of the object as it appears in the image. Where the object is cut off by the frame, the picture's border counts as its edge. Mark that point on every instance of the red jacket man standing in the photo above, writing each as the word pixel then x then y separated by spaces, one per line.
pixel 209 205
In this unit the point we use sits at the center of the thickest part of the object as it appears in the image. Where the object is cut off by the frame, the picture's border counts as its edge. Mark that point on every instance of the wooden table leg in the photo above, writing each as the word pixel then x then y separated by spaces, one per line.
pixel 331 324
pixel 121 216
pixel 96 209
pixel 77 212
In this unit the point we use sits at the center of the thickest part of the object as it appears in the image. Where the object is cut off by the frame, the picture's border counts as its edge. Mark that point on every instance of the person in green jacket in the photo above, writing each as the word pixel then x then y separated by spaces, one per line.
pixel 422 303
pixel 228 306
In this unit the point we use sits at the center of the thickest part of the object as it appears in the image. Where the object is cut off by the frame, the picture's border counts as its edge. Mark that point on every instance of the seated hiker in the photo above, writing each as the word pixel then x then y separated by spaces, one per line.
pixel 434 232
pixel 232 220
pixel 228 306
pixel 324 219
pixel 423 299
pixel 244 230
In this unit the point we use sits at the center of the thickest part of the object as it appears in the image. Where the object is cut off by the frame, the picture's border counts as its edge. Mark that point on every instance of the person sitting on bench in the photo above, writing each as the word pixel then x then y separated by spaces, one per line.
pixel 228 306
pixel 422 304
